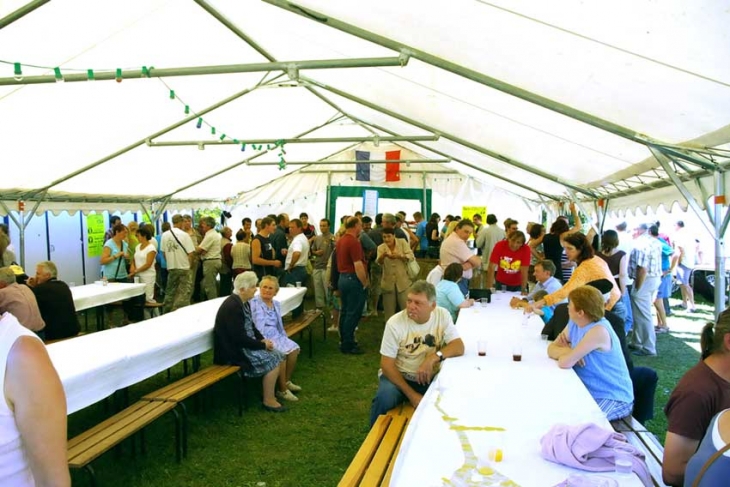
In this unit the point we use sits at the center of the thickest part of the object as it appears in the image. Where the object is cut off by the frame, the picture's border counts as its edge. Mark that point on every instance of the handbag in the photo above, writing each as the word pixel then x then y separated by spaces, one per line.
pixel 413 269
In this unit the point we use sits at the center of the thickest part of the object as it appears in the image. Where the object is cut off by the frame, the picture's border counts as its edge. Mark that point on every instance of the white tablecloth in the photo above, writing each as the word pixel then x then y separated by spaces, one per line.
pixel 93 366
pixel 526 398
pixel 92 295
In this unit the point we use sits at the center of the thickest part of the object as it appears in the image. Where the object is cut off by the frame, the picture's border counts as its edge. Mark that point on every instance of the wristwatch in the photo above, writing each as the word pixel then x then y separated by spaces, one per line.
pixel 440 355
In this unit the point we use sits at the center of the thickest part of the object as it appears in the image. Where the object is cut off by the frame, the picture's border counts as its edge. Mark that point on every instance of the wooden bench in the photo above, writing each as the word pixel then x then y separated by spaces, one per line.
pixel 190 385
pixel 374 461
pixel 87 446
pixel 302 323
pixel 645 441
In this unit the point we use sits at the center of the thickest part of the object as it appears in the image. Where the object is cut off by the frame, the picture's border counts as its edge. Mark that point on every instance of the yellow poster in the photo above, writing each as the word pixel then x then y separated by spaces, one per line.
pixel 470 211
pixel 95 234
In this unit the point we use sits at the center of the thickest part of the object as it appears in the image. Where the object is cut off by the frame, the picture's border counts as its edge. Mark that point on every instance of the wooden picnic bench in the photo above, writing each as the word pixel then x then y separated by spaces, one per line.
pixel 373 464
pixel 302 323
pixel 91 444
pixel 645 441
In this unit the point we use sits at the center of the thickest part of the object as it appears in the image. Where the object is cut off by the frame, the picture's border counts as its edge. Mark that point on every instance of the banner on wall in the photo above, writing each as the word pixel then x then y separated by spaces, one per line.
pixel 95 234
pixel 370 202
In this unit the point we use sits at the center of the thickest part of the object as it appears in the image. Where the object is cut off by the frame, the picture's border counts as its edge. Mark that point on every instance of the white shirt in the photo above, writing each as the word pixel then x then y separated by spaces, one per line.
pixel 212 245
pixel 176 256
pixel 140 259
pixel 684 241
pixel 409 342
pixel 298 244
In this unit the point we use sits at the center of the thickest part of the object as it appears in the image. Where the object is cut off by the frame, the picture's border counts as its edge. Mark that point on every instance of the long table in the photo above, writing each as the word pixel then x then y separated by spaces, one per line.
pixel 447 439
pixel 96 365
pixel 93 295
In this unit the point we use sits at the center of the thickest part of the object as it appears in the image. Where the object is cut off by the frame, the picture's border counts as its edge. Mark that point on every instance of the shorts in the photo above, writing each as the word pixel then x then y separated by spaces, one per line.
pixel 665 287
pixel 683 274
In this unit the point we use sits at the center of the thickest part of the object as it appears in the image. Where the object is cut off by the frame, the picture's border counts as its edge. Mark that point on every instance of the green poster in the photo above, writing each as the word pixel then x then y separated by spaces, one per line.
pixel 95 234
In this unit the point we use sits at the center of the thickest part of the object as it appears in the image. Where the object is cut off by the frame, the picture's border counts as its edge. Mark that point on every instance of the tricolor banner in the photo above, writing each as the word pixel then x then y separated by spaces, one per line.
pixel 377 172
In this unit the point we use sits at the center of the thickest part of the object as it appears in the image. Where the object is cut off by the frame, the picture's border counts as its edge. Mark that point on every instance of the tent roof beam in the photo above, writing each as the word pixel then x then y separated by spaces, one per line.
pixel 333 163
pixel 21 12
pixel 307 140
pixel 292 68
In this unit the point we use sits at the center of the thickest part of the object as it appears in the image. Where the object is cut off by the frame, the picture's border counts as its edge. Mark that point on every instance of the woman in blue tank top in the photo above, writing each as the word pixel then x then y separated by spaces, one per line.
pixel 590 346
pixel 717 437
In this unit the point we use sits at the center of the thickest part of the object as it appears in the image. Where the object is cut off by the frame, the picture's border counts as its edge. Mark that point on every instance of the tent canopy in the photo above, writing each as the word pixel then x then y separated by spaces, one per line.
pixel 543 101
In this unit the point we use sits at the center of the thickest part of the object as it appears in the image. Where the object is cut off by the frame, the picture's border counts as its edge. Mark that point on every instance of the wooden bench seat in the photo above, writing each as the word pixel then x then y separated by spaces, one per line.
pixel 645 441
pixel 91 444
pixel 302 323
pixel 190 385
pixel 374 461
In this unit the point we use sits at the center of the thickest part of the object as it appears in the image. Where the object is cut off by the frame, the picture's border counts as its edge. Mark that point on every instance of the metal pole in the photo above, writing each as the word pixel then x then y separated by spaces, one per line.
pixel 292 67
pixel 334 163
pixel 327 197
pixel 452 137
pixel 142 141
pixel 349 171
pixel 719 245
pixel 425 208
pixel 308 140
pixel 21 12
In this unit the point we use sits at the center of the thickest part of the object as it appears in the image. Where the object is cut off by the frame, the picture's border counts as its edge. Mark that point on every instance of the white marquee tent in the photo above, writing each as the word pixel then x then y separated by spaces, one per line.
pixel 625 102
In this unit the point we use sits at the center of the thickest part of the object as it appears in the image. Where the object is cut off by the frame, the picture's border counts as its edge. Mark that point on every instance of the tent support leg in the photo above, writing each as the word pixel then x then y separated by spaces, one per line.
pixel 719 243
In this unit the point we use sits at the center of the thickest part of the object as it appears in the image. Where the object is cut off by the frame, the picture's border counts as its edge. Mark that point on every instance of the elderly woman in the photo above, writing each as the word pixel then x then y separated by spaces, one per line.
pixel 32 413
pixel 590 268
pixel 393 254
pixel 143 264
pixel 267 319
pixel 448 293
pixel 236 341
pixel 511 260
pixel 590 346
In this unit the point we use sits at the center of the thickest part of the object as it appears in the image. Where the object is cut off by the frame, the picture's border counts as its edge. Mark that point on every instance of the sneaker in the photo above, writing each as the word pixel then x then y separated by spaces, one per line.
pixel 354 351
pixel 333 328
pixel 695 310
pixel 661 329
pixel 286 395
pixel 293 387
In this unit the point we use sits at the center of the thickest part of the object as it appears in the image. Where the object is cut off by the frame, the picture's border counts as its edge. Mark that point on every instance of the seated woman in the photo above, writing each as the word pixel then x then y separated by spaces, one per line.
pixel 590 346
pixel 236 341
pixel 448 293
pixel 716 438
pixel 267 319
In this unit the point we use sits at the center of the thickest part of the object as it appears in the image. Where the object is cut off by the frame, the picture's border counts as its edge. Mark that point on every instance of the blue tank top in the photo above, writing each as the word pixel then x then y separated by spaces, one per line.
pixel 605 374
pixel 719 471
pixel 116 269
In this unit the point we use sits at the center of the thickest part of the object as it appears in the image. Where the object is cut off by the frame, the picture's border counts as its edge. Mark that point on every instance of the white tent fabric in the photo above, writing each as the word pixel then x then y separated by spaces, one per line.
pixel 659 69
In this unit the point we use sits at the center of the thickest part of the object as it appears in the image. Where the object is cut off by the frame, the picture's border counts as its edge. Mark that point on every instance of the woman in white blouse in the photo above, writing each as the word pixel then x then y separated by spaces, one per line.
pixel 143 264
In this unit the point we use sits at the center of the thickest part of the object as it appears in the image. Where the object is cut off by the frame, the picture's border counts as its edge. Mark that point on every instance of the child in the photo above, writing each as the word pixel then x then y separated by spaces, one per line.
pixel 546 312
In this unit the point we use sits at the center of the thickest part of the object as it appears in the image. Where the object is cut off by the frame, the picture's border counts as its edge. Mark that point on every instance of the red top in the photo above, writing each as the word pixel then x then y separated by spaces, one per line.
pixel 509 262
pixel 349 251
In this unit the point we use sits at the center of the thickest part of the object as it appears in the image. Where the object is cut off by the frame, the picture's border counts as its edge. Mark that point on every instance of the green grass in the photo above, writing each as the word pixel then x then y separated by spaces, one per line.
pixel 313 443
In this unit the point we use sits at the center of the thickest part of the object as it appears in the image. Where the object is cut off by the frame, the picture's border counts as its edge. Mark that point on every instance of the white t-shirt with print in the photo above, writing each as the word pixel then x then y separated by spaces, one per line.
pixel 409 342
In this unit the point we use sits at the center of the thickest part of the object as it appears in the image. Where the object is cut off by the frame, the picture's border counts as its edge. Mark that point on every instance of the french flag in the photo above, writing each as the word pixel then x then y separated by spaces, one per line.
pixel 377 172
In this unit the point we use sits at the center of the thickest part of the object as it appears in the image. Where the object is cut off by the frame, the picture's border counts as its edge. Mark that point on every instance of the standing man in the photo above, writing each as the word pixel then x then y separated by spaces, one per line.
pixel 352 284
pixel 263 256
pixel 421 235
pixel 488 237
pixel 210 253
pixel 178 250
pixel 297 255
pixel 626 243
pixel 477 219
pixel 322 250
pixel 685 244
pixel 278 238
pixel 645 268
pixel 226 271
pixel 196 238
pixel 415 342
pixel 455 249
pixel 309 231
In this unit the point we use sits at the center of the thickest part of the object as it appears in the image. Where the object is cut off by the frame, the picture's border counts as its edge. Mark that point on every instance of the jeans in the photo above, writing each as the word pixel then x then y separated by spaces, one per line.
pixel 464 286
pixel 619 309
pixel 629 320
pixel 389 396
pixel 353 299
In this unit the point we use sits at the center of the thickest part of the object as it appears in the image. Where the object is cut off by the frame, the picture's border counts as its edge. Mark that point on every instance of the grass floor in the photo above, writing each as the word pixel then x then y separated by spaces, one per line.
pixel 313 443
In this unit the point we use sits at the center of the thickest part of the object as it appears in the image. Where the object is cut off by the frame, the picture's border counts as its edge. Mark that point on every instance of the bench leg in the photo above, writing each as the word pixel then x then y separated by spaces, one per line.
pixel 184 429
pixel 311 342
pixel 92 475
pixel 178 436
pixel 324 324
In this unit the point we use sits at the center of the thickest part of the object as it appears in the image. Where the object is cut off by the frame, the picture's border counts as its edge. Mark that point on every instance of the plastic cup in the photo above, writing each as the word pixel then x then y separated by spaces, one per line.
pixel 544 337
pixel 623 461
pixel 517 352
pixel 71 284
pixel 483 302
pixel 482 348
pixel 136 280
pixel 299 283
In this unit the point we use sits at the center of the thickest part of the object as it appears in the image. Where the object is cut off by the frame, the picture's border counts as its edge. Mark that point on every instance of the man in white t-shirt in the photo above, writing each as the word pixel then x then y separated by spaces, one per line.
pixel 415 342
pixel 455 249
pixel 685 244
pixel 177 249
pixel 297 255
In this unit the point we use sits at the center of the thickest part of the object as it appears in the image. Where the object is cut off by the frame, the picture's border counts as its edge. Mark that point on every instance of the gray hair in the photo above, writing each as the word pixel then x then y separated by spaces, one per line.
pixel 209 221
pixel 424 287
pixel 7 275
pixel 388 217
pixel 245 280
pixel 273 279
pixel 49 268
